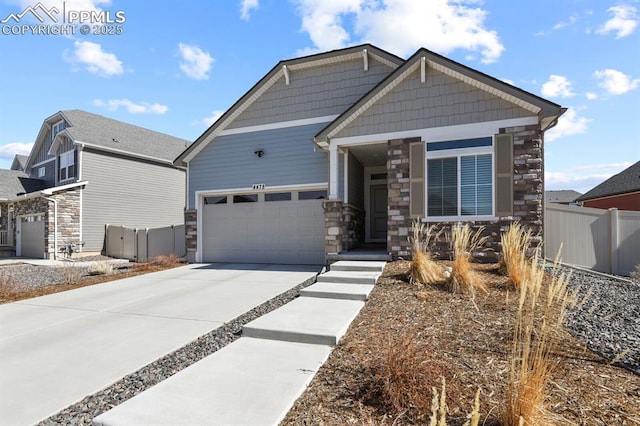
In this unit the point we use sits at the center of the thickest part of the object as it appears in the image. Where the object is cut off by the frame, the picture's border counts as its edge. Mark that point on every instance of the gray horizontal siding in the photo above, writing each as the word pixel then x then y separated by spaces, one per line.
pixel 313 92
pixel 130 193
pixel 440 101
pixel 229 161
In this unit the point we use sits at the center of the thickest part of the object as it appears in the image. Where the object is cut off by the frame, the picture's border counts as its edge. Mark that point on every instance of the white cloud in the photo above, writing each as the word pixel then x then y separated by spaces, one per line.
pixel 10 150
pixel 96 60
pixel 623 22
pixel 208 121
pixel 131 107
pixel 572 20
pixel 592 96
pixel 568 124
pixel 196 63
pixel 616 82
pixel 400 26
pixel 582 178
pixel 246 7
pixel 557 87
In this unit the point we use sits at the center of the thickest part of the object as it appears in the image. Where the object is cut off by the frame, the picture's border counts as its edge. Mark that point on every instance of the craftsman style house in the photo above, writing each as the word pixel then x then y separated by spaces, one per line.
pixel 330 151
pixel 86 171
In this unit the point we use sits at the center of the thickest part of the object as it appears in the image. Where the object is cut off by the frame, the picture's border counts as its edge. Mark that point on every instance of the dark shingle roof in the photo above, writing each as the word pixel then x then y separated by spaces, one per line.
pixel 561 196
pixel 19 162
pixel 626 181
pixel 111 134
pixel 14 182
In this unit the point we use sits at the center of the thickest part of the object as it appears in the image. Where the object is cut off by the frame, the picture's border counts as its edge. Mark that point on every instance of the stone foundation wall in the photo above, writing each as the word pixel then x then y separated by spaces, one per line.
pixel 191 234
pixel 528 197
pixel 68 219
pixel 333 226
pixel 353 226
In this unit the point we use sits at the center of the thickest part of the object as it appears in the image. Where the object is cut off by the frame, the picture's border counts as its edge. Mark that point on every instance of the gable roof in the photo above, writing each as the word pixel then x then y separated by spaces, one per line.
pixel 19 162
pixel 109 135
pixel 561 196
pixel 14 182
pixel 624 182
pixel 546 110
pixel 274 75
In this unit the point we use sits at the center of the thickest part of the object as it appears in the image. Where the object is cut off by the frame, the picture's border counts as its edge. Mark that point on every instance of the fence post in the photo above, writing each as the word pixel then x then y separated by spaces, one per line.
pixel 615 239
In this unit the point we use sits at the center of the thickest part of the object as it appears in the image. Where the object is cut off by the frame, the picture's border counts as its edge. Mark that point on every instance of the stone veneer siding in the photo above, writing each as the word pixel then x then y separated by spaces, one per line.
pixel 343 225
pixel 68 218
pixel 528 196
pixel 191 234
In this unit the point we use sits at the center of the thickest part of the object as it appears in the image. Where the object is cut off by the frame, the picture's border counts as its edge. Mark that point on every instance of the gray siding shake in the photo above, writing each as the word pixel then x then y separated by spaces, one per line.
pixel 313 92
pixel 229 161
pixel 115 194
pixel 440 101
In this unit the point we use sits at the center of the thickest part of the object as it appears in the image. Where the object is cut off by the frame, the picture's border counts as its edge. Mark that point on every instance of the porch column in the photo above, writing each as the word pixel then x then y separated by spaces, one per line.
pixel 333 171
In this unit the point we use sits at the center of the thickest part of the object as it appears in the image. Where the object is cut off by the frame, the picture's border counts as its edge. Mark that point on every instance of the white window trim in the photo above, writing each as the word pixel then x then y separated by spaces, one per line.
pixel 457 153
pixel 42 171
pixel 54 133
pixel 73 163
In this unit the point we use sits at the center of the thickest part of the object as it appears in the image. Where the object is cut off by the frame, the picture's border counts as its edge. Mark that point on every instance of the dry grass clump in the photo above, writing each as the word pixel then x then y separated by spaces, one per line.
pixel 71 273
pixel 166 261
pixel 531 363
pixel 100 268
pixel 514 261
pixel 401 377
pixel 8 286
pixel 464 242
pixel 423 270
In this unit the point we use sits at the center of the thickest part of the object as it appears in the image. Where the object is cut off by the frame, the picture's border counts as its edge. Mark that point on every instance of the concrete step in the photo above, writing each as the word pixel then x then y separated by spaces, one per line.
pixel 338 291
pixel 350 277
pixel 306 320
pixel 354 265
pixel 249 382
pixel 357 256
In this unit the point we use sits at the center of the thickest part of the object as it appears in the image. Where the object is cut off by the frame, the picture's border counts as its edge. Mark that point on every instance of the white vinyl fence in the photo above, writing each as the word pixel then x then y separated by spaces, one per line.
pixel 603 240
pixel 141 244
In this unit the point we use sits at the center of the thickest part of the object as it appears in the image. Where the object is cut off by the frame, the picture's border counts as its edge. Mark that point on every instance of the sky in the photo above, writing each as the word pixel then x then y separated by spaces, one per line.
pixel 174 67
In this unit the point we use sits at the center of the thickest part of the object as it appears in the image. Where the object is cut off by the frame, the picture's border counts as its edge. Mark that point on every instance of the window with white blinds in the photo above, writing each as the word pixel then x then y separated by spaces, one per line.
pixel 460 179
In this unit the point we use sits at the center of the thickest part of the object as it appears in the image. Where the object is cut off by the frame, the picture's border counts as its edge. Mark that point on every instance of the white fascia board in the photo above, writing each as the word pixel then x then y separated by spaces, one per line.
pixel 439 134
pixel 485 87
pixel 57 141
pixel 279 125
pixel 51 191
pixel 124 153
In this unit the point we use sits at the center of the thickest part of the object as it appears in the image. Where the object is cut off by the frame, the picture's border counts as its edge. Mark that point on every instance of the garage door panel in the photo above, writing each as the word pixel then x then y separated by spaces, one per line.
pixel 32 237
pixel 264 232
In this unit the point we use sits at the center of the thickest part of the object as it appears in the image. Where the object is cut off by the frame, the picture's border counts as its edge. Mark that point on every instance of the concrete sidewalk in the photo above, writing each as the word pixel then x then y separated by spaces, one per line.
pixel 255 380
pixel 56 349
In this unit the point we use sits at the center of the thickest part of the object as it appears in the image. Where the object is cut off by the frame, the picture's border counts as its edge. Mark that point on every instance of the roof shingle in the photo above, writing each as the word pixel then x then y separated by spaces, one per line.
pixel 624 182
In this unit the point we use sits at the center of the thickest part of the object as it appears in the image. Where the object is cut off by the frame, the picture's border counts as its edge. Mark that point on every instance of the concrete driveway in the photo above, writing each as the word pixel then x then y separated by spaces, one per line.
pixel 56 349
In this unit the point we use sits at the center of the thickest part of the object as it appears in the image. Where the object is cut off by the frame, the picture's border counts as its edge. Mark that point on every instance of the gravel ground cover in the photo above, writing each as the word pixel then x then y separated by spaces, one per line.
pixel 608 320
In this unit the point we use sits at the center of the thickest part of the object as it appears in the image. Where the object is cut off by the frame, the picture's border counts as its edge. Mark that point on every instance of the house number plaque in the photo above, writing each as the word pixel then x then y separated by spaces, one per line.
pixel 258 186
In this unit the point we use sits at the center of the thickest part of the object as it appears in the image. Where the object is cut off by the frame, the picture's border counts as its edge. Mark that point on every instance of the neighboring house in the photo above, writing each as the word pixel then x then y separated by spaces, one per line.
pixel 333 150
pixel 19 162
pixel 561 196
pixel 621 191
pixel 86 171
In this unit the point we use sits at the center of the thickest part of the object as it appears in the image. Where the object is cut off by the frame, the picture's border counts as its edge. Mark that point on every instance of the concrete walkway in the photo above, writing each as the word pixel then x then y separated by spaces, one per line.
pixel 56 349
pixel 256 379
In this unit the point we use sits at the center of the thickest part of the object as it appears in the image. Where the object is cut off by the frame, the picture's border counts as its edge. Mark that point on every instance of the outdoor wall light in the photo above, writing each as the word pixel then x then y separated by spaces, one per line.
pixel 259 153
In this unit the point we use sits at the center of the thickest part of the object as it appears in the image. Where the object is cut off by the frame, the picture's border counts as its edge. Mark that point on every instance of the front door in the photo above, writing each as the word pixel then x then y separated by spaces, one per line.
pixel 378 212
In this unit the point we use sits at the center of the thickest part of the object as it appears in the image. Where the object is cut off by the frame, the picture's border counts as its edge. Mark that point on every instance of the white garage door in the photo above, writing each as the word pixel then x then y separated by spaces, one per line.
pixel 32 236
pixel 269 228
